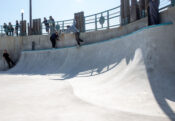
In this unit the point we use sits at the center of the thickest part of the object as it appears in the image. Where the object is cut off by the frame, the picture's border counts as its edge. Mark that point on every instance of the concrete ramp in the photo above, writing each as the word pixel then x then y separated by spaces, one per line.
pixel 131 78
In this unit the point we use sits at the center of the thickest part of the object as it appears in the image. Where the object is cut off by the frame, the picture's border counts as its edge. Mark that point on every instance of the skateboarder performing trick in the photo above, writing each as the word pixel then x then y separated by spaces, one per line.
pixel 75 31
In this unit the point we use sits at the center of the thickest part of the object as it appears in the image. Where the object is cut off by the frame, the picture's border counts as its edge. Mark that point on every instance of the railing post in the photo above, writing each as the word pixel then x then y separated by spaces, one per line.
pixel 127 11
pixel 133 16
pixel 85 23
pixel 95 22
pixel 108 20
pixel 63 26
pixel 122 14
pixel 103 23
pixel 142 8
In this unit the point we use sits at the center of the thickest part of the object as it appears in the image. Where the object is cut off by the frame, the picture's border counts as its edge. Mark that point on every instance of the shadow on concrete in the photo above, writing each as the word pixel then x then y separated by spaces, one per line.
pixel 163 89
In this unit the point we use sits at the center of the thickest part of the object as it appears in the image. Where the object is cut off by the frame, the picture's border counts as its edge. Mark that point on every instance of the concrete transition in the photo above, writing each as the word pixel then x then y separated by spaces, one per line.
pixel 131 78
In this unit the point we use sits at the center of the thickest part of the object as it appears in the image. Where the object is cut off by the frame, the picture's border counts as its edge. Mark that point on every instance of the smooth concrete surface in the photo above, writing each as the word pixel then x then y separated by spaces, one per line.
pixel 131 78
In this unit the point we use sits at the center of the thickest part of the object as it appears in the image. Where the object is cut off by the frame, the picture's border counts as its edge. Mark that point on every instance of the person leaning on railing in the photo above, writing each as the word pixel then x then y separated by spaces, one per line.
pixel 5 28
pixel 46 23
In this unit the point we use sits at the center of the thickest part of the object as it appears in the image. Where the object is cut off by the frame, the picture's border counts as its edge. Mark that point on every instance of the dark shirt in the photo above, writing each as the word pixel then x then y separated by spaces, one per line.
pixel 54 36
pixel 17 26
pixel 6 56
pixel 10 28
pixel 5 26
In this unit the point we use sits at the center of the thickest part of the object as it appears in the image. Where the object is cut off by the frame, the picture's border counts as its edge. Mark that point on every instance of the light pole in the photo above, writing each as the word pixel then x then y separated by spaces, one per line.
pixel 30 14
pixel 22 14
pixel 22 19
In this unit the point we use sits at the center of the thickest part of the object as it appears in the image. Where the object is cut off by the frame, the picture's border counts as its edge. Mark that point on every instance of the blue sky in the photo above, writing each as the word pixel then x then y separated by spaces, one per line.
pixel 59 9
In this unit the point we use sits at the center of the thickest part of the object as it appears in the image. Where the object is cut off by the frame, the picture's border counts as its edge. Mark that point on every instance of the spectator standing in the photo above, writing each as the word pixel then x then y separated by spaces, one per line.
pixel 52 25
pixel 17 27
pixel 10 29
pixel 8 59
pixel 5 28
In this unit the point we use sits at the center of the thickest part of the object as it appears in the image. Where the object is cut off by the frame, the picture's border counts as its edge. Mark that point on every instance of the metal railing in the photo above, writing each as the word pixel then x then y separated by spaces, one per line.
pixel 99 21
pixel 4 32
pixel 103 20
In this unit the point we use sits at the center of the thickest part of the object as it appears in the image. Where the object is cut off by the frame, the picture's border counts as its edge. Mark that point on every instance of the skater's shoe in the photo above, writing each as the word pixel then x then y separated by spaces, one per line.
pixel 81 40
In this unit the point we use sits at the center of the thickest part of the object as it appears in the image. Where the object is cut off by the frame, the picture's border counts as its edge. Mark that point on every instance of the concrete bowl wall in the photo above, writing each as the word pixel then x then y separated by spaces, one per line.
pixel 15 45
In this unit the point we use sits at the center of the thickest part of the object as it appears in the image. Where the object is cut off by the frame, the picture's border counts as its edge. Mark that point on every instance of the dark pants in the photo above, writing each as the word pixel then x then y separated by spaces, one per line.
pixel 10 63
pixel 53 41
pixel 6 32
pixel 153 12
pixel 77 37
pixel 47 28
pixel 11 33
pixel 16 32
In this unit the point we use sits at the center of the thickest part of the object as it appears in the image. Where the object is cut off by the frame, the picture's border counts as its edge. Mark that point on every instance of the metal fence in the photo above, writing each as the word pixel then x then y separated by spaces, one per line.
pixel 99 21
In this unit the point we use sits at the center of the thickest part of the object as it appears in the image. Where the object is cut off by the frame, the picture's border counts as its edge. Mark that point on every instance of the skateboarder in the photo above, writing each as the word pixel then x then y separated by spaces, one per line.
pixel 53 38
pixel 75 31
pixel 8 59
pixel 153 12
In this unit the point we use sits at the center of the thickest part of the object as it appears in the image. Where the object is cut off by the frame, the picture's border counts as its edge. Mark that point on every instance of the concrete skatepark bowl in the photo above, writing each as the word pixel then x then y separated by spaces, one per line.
pixel 130 78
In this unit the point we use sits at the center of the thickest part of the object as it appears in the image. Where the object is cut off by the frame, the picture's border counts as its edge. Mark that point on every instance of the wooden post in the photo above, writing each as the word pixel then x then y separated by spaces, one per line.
pixel 80 21
pixel 23 28
pixel 172 2
pixel 127 11
pixel 142 8
pixel 146 7
pixel 122 13
pixel 134 15
pixel 37 27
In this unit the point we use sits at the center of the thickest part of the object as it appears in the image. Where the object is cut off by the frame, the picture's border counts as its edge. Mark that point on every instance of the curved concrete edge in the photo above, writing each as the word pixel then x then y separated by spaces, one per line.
pixel 140 30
